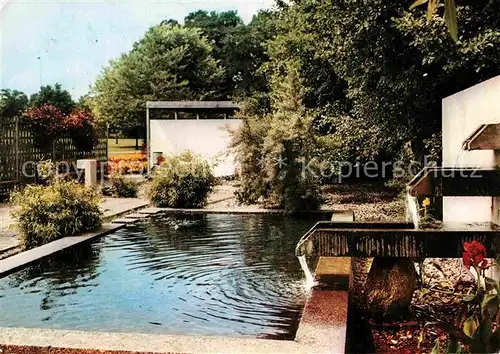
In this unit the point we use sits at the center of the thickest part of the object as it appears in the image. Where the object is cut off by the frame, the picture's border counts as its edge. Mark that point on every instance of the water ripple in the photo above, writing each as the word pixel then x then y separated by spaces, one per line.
pixel 202 274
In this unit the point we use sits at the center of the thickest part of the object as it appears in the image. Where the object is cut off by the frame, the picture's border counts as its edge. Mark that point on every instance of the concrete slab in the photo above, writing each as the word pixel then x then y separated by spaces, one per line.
pixel 115 207
pixel 125 221
pixel 343 216
pixel 20 260
pixel 140 342
pixel 334 266
pixel 237 211
pixel 324 322
pixel 150 211
pixel 136 216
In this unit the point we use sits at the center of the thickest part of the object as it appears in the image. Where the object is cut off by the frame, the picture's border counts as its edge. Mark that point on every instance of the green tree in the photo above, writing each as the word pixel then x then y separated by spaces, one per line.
pixel 54 96
pixel 221 29
pixel 239 47
pixel 273 149
pixel 168 63
pixel 394 67
pixel 12 103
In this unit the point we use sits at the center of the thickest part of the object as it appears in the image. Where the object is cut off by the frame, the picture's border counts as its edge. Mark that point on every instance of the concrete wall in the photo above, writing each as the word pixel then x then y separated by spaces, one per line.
pixel 208 137
pixel 462 114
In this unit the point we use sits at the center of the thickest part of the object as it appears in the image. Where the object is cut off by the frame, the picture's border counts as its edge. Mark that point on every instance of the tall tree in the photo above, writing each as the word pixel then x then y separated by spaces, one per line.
pixel 54 96
pixel 219 28
pixel 239 47
pixel 395 64
pixel 168 63
pixel 12 103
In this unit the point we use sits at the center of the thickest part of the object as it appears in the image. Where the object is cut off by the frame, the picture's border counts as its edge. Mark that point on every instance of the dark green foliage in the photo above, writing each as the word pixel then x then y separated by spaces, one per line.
pixel 12 103
pixel 46 213
pixel 240 48
pixel 54 96
pixel 168 63
pixel 376 70
pixel 273 150
pixel 182 181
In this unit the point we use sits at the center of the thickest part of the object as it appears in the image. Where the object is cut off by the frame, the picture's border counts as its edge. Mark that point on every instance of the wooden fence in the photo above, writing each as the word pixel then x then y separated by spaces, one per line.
pixel 19 154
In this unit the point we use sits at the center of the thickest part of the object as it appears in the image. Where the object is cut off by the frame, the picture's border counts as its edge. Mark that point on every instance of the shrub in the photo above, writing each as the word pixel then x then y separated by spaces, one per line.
pixel 272 150
pixel 128 163
pixel 81 128
pixel 47 213
pixel 182 181
pixel 123 187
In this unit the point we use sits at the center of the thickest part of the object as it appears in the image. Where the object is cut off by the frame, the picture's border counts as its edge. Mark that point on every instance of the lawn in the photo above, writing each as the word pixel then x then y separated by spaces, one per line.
pixel 124 146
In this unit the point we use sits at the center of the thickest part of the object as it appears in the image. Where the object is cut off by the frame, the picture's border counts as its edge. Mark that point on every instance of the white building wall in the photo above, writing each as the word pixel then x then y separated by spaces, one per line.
pixel 208 137
pixel 462 114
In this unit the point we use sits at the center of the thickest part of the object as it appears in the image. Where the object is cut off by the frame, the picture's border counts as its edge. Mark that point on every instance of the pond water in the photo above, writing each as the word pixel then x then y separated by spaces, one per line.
pixel 232 275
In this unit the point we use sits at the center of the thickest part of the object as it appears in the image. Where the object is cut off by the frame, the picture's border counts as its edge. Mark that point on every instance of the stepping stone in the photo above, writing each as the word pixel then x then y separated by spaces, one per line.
pixel 125 221
pixel 136 216
pixel 150 211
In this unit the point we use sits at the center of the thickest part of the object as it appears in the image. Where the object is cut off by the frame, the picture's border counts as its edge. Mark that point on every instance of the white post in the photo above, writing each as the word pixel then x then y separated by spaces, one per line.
pixel 90 168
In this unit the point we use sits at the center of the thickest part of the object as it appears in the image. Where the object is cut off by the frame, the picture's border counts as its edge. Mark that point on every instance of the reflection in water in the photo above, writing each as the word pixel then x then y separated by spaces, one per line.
pixel 231 275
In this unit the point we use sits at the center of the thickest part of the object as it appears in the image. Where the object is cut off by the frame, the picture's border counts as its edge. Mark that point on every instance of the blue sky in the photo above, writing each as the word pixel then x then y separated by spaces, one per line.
pixel 76 39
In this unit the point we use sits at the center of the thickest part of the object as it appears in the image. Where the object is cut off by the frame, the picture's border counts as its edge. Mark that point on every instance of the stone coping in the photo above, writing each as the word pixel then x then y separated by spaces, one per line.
pixel 23 259
pixel 238 211
pixel 319 331
pixel 154 343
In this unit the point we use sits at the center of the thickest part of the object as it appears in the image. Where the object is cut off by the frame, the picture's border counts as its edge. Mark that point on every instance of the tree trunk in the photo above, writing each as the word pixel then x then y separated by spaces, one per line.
pixel 389 288
pixel 137 138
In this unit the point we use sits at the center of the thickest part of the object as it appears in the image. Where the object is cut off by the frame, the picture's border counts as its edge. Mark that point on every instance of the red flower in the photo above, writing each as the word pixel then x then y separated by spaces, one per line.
pixel 474 255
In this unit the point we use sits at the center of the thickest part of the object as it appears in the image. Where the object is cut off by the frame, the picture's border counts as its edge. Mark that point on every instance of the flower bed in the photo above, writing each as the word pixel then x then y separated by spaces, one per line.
pixel 128 164
pixel 448 314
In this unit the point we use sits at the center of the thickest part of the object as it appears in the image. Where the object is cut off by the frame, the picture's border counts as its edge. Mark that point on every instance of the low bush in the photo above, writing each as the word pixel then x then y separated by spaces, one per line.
pixel 182 181
pixel 47 213
pixel 123 187
pixel 128 164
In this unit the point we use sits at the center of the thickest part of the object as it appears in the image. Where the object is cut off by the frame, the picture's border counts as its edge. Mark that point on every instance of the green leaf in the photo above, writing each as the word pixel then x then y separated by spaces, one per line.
pixel 490 304
pixel 421 337
pixel 485 331
pixel 450 17
pixel 492 284
pixel 470 326
pixel 431 9
pixel 470 297
pixel 417 3
pixel 435 350
pixel 452 347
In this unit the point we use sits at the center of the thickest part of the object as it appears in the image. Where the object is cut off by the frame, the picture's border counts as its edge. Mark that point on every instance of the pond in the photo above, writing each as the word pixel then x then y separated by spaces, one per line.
pixel 231 275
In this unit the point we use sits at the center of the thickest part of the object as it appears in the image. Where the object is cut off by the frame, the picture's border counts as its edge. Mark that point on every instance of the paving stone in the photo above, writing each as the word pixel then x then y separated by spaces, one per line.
pixel 150 211
pixel 324 321
pixel 125 221
pixel 136 216
pixel 150 343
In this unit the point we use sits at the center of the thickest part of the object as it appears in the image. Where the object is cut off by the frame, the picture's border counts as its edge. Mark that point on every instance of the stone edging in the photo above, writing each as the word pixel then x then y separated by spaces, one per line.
pixel 23 259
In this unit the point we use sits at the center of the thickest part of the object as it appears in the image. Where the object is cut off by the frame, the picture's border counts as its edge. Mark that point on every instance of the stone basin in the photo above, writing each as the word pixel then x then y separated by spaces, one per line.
pixel 329 239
